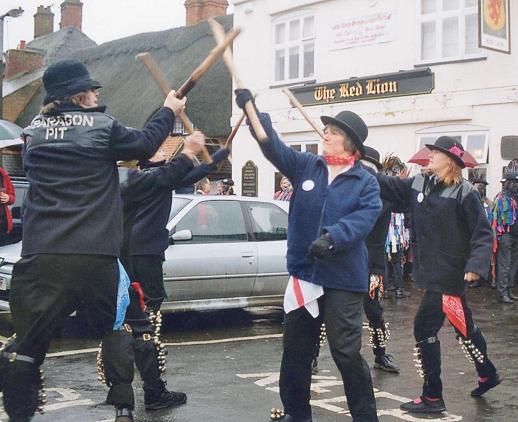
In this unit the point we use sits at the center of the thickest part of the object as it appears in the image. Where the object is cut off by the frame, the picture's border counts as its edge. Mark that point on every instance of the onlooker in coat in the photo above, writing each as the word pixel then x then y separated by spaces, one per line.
pixel 284 194
pixel 203 186
pixel 453 247
pixel 504 218
pixel 7 197
pixel 336 203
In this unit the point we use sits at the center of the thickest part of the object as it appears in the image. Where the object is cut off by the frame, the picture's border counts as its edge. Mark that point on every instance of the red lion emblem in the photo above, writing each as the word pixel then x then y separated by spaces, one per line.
pixel 495 9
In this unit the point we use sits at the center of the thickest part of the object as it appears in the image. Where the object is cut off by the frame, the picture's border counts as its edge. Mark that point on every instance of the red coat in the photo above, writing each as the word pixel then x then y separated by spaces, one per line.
pixel 9 190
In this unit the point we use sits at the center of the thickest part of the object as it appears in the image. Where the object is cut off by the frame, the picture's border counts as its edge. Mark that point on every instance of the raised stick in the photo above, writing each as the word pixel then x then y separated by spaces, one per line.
pixel 206 64
pixel 161 81
pixel 219 35
pixel 295 103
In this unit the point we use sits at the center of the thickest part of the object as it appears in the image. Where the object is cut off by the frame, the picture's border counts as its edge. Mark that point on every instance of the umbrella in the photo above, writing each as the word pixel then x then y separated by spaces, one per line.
pixel 9 130
pixel 421 158
pixel 4 143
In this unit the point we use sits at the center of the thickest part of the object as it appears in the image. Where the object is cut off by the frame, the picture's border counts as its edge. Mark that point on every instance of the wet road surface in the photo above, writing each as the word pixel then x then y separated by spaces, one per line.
pixel 228 362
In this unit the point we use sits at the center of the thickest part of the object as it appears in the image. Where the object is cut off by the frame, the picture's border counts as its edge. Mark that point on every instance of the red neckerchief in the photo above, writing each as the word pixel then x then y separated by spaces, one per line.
pixel 333 160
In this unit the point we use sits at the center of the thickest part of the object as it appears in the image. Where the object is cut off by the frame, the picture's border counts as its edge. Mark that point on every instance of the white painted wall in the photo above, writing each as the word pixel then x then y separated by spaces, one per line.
pixel 482 92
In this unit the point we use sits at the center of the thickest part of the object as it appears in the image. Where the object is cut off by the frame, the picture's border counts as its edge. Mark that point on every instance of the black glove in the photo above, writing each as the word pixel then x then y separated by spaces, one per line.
pixel 242 97
pixel 322 248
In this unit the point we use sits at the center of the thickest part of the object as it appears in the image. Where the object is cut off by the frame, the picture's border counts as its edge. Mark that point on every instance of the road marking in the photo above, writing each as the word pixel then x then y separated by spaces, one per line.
pixel 268 381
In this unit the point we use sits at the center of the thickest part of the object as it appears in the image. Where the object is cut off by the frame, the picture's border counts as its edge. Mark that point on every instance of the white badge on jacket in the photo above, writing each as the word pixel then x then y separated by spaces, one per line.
pixel 308 185
pixel 420 197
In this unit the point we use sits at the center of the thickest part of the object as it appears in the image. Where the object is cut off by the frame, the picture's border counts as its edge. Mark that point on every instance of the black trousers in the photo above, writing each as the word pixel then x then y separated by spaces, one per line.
pixel 148 272
pixel 374 313
pixel 146 354
pixel 428 321
pixel 507 262
pixel 46 288
pixel 342 313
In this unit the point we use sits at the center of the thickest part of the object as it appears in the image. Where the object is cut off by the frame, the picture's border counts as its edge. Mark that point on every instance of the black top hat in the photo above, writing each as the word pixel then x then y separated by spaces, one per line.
pixel 65 78
pixel 451 148
pixel 373 156
pixel 352 124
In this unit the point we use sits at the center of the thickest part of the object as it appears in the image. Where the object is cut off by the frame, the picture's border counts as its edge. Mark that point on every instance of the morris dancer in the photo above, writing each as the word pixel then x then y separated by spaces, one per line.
pixel 379 332
pixel 334 206
pixel 72 232
pixel 453 248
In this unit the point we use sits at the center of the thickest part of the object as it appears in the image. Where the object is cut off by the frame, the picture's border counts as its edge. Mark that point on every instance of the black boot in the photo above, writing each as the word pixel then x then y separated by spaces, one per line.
pixel 386 363
pixel 428 362
pixel 511 295
pixel 424 405
pixel 379 335
pixel 123 414
pixel 21 386
pixel 475 349
pixel 279 415
pixel 156 399
pixel 486 385
pixel 504 298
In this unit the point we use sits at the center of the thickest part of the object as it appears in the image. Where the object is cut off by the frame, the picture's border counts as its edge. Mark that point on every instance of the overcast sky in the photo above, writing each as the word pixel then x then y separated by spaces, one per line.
pixel 103 20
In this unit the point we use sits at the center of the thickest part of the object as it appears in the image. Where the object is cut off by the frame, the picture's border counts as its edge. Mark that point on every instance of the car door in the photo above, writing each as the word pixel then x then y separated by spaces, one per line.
pixel 270 231
pixel 219 261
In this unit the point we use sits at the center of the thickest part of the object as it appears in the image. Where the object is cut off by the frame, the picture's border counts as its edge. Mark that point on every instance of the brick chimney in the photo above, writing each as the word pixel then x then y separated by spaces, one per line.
pixel 71 14
pixel 200 10
pixel 43 21
pixel 21 61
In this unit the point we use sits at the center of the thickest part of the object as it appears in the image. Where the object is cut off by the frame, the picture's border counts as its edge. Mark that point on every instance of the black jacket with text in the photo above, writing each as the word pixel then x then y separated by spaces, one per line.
pixel 73 205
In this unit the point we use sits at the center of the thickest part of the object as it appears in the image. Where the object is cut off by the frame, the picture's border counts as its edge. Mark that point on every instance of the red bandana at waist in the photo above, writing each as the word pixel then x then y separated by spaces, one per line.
pixel 333 160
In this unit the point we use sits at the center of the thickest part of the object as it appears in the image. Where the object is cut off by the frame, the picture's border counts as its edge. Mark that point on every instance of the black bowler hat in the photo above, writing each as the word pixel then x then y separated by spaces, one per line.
pixel 65 78
pixel 451 148
pixel 352 124
pixel 373 156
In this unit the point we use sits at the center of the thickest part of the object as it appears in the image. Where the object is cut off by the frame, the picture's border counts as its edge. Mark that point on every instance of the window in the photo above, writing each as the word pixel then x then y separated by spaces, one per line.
pixel 269 222
pixel 178 128
pixel 305 147
pixel 294 49
pixel 177 206
pixel 215 222
pixel 474 139
pixel 448 30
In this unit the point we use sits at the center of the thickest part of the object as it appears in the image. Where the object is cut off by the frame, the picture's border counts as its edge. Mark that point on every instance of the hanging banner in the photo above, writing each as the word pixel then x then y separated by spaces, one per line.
pixel 494 32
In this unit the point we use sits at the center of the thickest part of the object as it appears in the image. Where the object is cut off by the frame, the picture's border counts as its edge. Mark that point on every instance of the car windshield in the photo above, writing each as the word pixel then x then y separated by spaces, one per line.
pixel 178 205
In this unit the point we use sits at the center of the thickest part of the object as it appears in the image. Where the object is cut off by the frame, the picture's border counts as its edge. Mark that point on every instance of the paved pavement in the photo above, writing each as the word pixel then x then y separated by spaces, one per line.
pixel 228 363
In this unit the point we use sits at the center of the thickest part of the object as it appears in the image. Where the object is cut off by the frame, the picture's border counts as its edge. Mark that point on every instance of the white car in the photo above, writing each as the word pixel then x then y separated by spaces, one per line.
pixel 225 252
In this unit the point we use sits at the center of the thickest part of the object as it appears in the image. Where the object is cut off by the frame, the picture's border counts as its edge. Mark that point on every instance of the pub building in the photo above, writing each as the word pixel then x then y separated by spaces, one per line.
pixel 413 69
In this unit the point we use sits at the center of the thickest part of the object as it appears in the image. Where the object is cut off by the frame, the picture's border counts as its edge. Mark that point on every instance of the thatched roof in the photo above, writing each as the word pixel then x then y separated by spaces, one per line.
pixel 131 94
pixel 60 44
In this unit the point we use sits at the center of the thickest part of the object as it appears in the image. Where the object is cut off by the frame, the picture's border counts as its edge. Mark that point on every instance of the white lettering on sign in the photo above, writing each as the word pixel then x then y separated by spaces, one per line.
pixel 364 30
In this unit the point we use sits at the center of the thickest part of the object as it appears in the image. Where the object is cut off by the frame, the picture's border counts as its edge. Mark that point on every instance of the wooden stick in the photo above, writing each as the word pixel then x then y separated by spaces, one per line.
pixel 209 61
pixel 295 103
pixel 164 86
pixel 219 35
pixel 234 131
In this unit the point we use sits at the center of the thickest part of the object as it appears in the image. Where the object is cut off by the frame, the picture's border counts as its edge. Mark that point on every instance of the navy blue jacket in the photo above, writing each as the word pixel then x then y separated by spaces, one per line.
pixel 346 209
pixel 73 204
pixel 150 236
pixel 451 230
pixel 140 187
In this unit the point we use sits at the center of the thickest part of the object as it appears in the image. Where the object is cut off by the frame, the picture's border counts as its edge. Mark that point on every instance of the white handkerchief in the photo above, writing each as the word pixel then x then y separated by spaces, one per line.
pixel 302 293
